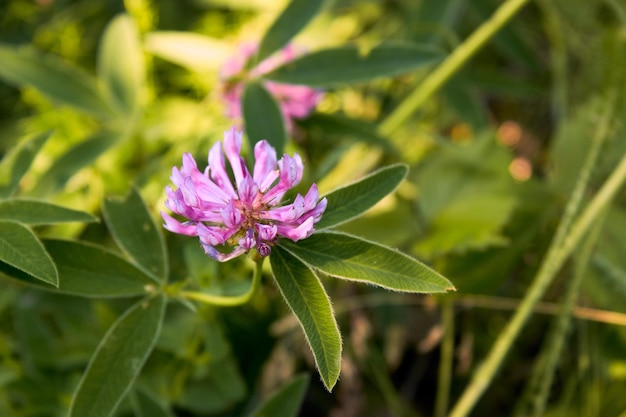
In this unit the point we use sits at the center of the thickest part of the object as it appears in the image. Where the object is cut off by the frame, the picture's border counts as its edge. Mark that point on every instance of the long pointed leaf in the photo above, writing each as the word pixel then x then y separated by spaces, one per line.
pixel 91 271
pixel 353 258
pixel 118 359
pixel 16 163
pixel 347 65
pixel 263 118
pixel 346 203
pixel 136 233
pixel 292 20
pixel 53 78
pixel 120 63
pixel 306 297
pixel 20 248
pixel 34 212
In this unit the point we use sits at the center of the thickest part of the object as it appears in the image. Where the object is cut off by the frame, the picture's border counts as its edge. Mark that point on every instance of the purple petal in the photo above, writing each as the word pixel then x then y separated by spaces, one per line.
pixel 175 226
pixel 217 170
pixel 311 197
pixel 248 241
pixel 232 148
pixel 265 164
pixel 263 248
pixel 266 232
pixel 231 215
pixel 212 235
pixel 291 170
pixel 222 257
pixel 297 233
pixel 247 191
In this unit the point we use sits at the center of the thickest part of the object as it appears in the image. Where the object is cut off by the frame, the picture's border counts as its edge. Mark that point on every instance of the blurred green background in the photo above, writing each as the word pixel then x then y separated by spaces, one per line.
pixel 494 155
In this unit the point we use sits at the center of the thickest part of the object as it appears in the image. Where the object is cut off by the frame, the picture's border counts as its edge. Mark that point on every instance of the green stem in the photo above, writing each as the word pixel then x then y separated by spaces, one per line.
pixel 225 301
pixel 447 354
pixel 561 247
pixel 451 65
pixel 562 322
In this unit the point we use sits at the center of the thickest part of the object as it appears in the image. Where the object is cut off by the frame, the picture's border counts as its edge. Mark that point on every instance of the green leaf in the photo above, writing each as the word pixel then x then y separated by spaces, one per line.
pixel 346 203
pixel 467 197
pixel 306 297
pixel 136 233
pixel 54 78
pixel 146 405
pixel 353 258
pixel 263 118
pixel 287 401
pixel 16 163
pixel 20 248
pixel 88 270
pixel 72 161
pixel 347 65
pixel 120 63
pixel 35 212
pixel 118 359
pixel 327 128
pixel 192 51
pixel 292 20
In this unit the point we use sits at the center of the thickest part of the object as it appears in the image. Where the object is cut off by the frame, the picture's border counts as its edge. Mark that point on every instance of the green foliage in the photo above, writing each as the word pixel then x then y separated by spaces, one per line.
pixel 92 271
pixel 192 51
pixel 16 163
pixel 137 234
pixel 292 20
pixel 21 249
pixel 349 65
pixel 352 258
pixel 263 118
pixel 54 78
pixel 118 359
pixel 120 64
pixel 308 300
pixel 33 212
pixel 448 142
pixel 286 401
pixel 72 161
pixel 347 203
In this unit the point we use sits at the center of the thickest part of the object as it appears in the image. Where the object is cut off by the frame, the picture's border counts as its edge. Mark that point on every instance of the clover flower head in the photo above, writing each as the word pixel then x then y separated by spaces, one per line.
pixel 246 213
pixel 295 101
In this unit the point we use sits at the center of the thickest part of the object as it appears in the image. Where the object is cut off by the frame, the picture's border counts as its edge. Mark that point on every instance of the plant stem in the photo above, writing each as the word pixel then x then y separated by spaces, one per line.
pixel 451 65
pixel 447 354
pixel 561 247
pixel 230 301
pixel 562 322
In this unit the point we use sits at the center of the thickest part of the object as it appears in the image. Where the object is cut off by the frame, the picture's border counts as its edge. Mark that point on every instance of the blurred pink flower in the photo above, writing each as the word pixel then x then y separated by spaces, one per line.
pixel 295 101
pixel 245 215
